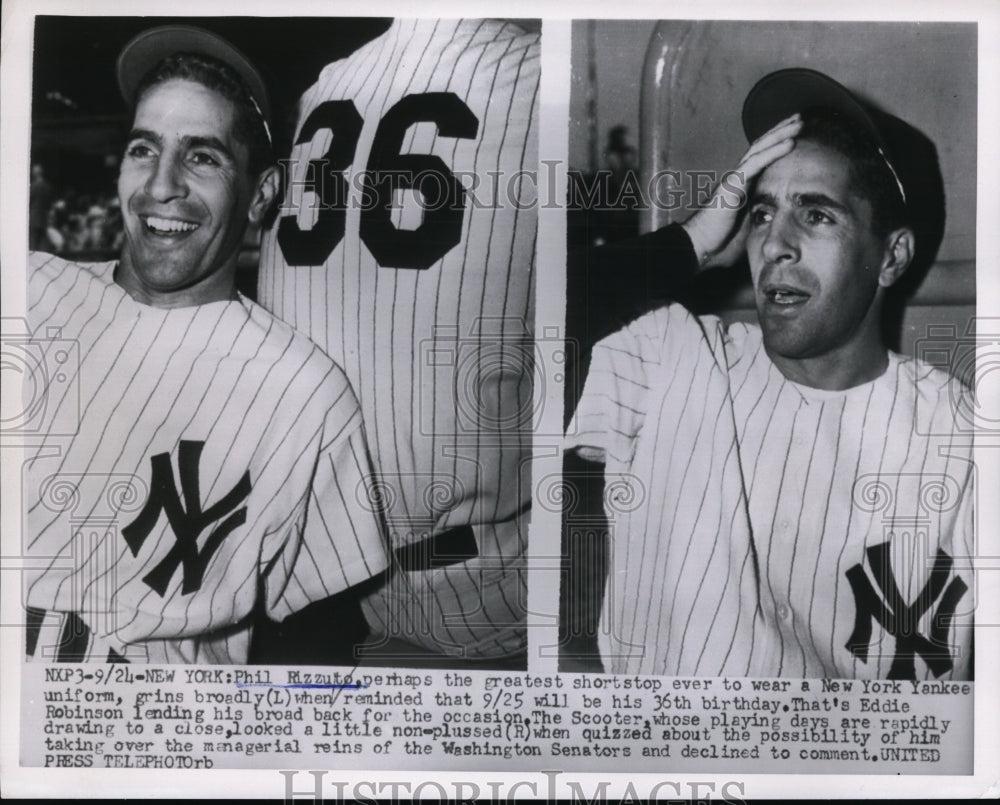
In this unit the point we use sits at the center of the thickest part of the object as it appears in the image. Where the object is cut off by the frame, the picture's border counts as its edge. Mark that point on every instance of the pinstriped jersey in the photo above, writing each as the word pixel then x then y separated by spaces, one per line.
pixel 774 529
pixel 200 464
pixel 405 248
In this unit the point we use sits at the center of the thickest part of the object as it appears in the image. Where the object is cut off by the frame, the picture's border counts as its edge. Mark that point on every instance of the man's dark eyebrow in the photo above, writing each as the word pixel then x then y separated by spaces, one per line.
pixel 191 142
pixel 144 134
pixel 764 198
pixel 821 200
pixel 210 142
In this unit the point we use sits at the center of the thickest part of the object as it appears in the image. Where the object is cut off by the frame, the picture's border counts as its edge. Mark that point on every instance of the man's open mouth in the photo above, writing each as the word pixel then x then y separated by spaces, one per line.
pixel 168 226
pixel 786 295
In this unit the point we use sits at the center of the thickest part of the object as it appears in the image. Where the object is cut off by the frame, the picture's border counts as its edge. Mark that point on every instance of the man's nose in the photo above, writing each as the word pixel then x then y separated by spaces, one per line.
pixel 781 241
pixel 166 182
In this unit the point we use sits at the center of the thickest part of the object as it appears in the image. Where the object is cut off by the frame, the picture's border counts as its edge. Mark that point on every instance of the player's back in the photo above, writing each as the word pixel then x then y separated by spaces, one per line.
pixel 405 247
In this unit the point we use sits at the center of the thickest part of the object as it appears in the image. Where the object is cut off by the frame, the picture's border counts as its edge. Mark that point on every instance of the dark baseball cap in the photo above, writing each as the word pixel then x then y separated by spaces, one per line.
pixel 781 94
pixel 149 48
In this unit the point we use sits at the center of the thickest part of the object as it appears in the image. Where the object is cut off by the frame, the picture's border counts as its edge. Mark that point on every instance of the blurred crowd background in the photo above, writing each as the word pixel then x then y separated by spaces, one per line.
pixel 68 220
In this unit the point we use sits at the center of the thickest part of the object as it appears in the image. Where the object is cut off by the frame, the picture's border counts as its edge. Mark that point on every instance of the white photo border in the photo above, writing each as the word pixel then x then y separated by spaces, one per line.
pixel 17 33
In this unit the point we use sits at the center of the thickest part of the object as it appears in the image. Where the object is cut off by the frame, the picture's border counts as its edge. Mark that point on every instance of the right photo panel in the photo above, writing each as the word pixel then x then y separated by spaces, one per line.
pixel 771 293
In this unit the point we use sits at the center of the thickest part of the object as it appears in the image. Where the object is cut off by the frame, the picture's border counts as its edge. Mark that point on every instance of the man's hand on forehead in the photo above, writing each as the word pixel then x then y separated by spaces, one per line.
pixel 718 231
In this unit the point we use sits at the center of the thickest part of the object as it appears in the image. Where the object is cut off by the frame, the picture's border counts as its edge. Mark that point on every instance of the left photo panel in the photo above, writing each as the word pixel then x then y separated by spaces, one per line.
pixel 278 356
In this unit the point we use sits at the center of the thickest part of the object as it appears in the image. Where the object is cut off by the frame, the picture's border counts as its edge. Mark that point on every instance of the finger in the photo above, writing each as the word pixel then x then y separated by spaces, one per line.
pixel 755 163
pixel 777 131
pixel 783 131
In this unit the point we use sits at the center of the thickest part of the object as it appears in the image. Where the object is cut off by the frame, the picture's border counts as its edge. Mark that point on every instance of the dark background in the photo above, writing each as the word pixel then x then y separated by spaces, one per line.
pixel 73 77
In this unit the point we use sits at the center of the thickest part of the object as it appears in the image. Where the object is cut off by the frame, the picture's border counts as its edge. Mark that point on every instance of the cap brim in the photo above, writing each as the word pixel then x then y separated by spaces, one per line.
pixel 783 93
pixel 150 47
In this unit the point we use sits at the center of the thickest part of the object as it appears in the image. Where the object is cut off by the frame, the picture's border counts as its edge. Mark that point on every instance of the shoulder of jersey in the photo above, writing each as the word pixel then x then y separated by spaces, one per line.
pixel 446 32
pixel 286 343
pixel 53 280
pixel 933 381
pixel 742 339
pixel 674 320
pixel 48 265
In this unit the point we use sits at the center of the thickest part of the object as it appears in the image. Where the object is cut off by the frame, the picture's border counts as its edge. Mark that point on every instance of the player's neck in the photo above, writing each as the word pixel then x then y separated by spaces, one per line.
pixel 849 366
pixel 220 286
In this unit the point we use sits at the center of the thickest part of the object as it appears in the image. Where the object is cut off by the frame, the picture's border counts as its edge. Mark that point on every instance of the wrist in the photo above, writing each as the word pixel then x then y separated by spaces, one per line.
pixel 698 241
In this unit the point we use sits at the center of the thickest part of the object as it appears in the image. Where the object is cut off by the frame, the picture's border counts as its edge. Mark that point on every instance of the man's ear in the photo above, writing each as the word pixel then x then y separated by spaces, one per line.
pixel 264 194
pixel 899 247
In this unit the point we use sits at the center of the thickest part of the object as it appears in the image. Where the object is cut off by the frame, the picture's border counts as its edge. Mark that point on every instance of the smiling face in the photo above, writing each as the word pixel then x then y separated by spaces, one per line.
pixel 817 265
pixel 186 196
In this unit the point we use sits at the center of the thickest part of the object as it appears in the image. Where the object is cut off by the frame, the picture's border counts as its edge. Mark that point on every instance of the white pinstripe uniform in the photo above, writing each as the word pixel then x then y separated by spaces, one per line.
pixel 772 524
pixel 216 469
pixel 431 324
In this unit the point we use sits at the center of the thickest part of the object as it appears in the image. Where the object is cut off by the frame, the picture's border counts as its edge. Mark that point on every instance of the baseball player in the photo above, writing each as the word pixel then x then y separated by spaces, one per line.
pixel 803 496
pixel 405 248
pixel 213 467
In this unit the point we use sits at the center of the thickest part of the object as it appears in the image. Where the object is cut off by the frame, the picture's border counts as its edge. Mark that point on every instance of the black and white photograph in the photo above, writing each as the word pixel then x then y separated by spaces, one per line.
pixel 228 491
pixel 783 407
pixel 499 401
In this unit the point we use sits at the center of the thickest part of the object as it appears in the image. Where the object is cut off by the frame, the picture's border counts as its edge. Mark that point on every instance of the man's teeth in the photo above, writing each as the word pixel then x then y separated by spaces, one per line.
pixel 169 225
pixel 787 297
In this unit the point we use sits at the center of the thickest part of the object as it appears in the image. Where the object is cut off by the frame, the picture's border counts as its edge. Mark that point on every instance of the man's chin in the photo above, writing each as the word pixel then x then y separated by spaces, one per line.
pixel 784 343
pixel 161 274
pixel 165 277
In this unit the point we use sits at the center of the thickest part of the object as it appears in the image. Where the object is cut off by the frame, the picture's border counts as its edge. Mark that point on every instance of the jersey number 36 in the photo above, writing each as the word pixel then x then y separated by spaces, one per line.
pixel 387 172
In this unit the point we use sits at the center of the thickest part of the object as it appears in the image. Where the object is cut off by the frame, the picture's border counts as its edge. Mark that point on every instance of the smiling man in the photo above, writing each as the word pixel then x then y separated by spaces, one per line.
pixel 187 194
pixel 213 464
pixel 790 514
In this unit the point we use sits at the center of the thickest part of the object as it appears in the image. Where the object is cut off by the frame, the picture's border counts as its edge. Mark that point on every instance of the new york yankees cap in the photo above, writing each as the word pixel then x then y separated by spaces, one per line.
pixel 783 93
pixel 144 51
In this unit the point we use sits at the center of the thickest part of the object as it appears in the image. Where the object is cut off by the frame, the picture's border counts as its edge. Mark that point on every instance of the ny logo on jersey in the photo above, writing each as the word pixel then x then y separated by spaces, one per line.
pixel 900 619
pixel 186 519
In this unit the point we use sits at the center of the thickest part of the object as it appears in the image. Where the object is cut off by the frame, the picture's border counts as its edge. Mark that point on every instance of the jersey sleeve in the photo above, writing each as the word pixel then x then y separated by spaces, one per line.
pixel 612 407
pixel 630 369
pixel 341 540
